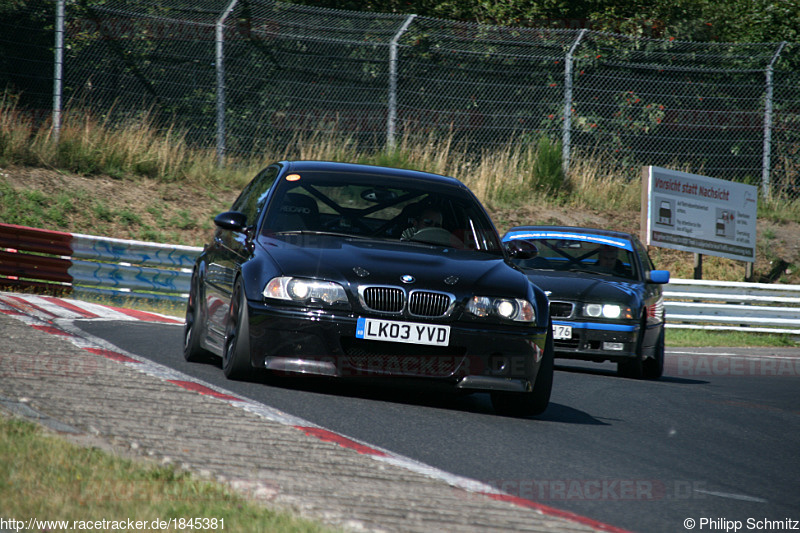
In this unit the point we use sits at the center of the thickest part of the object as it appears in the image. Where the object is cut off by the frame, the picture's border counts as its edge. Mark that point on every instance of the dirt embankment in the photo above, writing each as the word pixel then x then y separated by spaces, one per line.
pixel 175 213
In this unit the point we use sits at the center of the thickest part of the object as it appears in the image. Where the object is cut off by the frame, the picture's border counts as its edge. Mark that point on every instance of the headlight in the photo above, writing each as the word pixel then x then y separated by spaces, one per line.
pixel 611 311
pixel 306 291
pixel 514 309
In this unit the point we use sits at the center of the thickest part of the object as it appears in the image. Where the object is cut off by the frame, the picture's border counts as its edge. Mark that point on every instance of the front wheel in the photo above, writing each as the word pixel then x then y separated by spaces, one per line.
pixel 193 351
pixel 634 368
pixel 522 404
pixel 654 368
pixel 236 355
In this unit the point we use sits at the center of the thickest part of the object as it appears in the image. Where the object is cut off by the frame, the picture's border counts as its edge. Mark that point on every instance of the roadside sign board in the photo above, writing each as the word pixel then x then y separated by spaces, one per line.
pixel 699 214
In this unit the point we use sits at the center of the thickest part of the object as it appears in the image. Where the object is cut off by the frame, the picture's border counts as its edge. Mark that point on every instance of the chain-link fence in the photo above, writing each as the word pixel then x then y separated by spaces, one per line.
pixel 244 74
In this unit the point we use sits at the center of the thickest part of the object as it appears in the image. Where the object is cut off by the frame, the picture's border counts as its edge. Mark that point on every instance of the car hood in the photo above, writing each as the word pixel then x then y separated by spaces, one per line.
pixel 373 261
pixel 575 286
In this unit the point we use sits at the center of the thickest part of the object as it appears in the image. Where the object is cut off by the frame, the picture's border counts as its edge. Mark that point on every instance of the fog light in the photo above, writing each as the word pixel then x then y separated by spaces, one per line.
pixel 615 346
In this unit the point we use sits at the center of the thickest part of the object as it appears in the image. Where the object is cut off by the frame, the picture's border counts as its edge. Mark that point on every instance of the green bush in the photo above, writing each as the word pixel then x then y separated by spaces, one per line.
pixel 548 172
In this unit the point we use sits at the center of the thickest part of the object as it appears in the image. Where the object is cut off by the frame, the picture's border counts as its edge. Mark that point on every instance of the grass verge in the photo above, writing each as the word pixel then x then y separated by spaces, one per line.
pixel 676 338
pixel 48 478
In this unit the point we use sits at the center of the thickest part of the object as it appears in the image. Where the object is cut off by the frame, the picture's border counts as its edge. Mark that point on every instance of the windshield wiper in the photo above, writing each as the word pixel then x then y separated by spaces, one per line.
pixel 587 271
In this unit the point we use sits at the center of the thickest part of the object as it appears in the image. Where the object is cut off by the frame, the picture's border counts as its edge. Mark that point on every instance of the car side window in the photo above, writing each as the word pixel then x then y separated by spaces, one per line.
pixel 254 194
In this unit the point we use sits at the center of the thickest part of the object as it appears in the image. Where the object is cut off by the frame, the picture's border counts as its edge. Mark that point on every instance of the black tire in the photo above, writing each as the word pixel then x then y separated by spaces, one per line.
pixel 654 368
pixel 523 404
pixel 236 352
pixel 633 368
pixel 193 350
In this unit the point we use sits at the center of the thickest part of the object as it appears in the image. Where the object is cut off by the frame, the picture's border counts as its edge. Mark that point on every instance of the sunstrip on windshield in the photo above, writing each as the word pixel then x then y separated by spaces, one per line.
pixel 597 239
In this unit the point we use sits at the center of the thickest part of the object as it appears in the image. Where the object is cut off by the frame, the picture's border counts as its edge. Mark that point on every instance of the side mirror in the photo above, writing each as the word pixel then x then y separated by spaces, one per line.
pixel 658 276
pixel 231 220
pixel 519 249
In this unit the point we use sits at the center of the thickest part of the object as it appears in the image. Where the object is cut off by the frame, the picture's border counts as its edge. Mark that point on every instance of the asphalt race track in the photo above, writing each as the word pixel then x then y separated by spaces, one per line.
pixel 715 440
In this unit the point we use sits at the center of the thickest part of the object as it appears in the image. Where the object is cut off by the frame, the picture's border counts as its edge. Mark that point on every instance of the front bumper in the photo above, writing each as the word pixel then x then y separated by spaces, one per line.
pixel 478 356
pixel 598 341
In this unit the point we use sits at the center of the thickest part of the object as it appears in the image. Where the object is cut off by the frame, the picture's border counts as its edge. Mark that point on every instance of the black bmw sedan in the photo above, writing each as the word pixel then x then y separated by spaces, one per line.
pixel 356 271
pixel 605 295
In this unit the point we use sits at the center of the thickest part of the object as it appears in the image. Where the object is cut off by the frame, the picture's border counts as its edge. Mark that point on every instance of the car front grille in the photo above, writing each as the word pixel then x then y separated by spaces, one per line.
pixel 383 299
pixel 561 309
pixel 428 304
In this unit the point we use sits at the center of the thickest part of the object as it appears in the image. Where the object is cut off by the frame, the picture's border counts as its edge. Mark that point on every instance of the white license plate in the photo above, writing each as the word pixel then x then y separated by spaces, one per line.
pixel 395 331
pixel 561 331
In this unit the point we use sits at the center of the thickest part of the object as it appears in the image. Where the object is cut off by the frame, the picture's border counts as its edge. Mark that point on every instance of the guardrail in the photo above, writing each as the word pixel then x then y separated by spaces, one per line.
pixel 71 263
pixel 68 263
pixel 732 306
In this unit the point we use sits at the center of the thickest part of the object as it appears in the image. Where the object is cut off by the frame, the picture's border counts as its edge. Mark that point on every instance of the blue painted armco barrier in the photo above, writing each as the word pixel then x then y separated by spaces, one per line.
pixel 122 276
pixel 145 253
pixel 87 264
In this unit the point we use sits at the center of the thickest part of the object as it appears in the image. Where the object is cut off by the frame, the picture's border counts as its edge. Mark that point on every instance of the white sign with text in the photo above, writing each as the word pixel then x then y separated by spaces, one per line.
pixel 699 214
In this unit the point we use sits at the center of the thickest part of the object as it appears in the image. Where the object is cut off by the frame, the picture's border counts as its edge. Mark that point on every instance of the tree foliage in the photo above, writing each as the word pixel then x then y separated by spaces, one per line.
pixel 27 27
pixel 746 21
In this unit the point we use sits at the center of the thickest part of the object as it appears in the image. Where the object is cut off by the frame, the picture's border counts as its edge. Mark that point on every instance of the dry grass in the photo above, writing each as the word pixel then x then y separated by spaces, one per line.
pixel 136 148
pixel 596 187
pixel 514 174
pixel 182 187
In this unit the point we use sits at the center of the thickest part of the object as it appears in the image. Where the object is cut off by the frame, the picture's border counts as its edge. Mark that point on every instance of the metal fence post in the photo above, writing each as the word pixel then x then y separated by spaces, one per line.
pixel 767 152
pixel 58 69
pixel 220 67
pixel 565 148
pixel 391 121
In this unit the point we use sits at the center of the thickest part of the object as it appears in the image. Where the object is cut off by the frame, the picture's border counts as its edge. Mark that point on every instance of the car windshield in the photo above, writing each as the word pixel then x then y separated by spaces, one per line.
pixel 377 206
pixel 578 252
